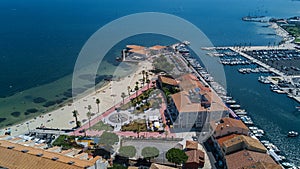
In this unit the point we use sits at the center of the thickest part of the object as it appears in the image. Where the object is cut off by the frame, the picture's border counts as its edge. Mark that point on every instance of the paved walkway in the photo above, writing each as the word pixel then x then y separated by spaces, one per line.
pixel 117 126
pixel 98 118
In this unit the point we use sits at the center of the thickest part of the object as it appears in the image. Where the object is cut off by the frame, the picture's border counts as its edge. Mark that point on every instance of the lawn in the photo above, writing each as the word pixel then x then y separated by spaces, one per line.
pixel 102 126
pixel 294 31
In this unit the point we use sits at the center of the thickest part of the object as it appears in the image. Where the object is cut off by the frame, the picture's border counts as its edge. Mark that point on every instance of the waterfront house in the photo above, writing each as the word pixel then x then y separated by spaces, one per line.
pixel 240 142
pixel 136 53
pixel 246 159
pixel 195 105
pixel 227 126
pixel 157 49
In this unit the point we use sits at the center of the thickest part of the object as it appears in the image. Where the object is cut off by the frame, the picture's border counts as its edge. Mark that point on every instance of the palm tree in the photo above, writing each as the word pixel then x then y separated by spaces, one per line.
pixel 147 75
pixel 98 102
pixel 148 83
pixel 89 115
pixel 143 72
pixel 123 95
pixel 128 89
pixel 153 83
pixel 89 107
pixel 138 130
pixel 136 88
pixel 75 114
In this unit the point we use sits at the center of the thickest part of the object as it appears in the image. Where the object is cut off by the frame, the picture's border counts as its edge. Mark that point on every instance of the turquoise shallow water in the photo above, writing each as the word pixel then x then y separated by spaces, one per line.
pixel 40 41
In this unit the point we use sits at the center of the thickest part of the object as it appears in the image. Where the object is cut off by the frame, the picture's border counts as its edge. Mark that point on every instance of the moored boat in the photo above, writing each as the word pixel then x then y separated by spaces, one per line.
pixel 236 106
pixel 293 134
pixel 288 165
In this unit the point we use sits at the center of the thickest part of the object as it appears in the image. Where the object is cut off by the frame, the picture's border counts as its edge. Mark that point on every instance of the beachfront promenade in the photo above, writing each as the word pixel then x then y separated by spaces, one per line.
pixel 111 110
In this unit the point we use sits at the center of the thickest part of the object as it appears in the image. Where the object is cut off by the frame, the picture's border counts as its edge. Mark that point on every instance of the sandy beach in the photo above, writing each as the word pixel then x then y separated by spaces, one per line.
pixel 62 118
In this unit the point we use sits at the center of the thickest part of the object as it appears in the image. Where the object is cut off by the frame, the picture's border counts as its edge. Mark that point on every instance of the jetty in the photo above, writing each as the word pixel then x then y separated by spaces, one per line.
pixel 261 57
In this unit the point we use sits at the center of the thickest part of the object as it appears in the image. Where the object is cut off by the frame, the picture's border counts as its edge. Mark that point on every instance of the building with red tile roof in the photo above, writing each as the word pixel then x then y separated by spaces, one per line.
pixel 157 47
pixel 18 156
pixel 227 126
pixel 159 166
pixel 245 159
pixel 194 103
pixel 241 142
pixel 191 145
pixel 167 81
pixel 263 165
pixel 195 159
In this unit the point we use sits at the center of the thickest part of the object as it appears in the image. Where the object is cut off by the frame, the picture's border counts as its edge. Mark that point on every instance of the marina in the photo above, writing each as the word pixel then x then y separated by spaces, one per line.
pixel 278 61
pixel 236 110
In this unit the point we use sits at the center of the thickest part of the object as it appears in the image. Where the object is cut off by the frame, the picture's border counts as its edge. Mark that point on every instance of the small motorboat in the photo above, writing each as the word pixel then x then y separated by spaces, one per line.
pixel 293 134
pixel 288 165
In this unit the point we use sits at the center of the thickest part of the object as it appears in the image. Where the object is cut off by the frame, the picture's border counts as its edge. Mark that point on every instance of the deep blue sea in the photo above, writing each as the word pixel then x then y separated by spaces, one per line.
pixel 40 41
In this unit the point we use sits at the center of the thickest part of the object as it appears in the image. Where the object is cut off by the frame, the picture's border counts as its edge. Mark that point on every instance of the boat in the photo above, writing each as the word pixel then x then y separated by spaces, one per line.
pixel 260 131
pixel 235 106
pixel 258 135
pixel 230 101
pixel 263 79
pixel 275 156
pixel 226 97
pixel 271 146
pixel 241 113
pixel 282 158
pixel 279 91
pixel 288 165
pixel 253 128
pixel 264 142
pixel 247 120
pixel 293 134
pixel 240 110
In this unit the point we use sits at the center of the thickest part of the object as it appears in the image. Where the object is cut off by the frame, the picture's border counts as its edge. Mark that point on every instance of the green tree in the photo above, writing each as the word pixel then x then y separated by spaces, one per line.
pixel 177 156
pixel 108 138
pixel 150 152
pixel 98 102
pixel 75 114
pixel 127 151
pixel 123 95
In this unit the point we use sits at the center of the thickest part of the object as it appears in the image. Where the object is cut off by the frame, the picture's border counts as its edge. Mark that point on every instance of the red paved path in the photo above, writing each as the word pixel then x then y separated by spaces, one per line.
pixel 98 118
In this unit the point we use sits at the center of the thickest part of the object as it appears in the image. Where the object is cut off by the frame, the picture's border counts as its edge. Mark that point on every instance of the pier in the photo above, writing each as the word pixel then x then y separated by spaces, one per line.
pixel 253 60
pixel 286 75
